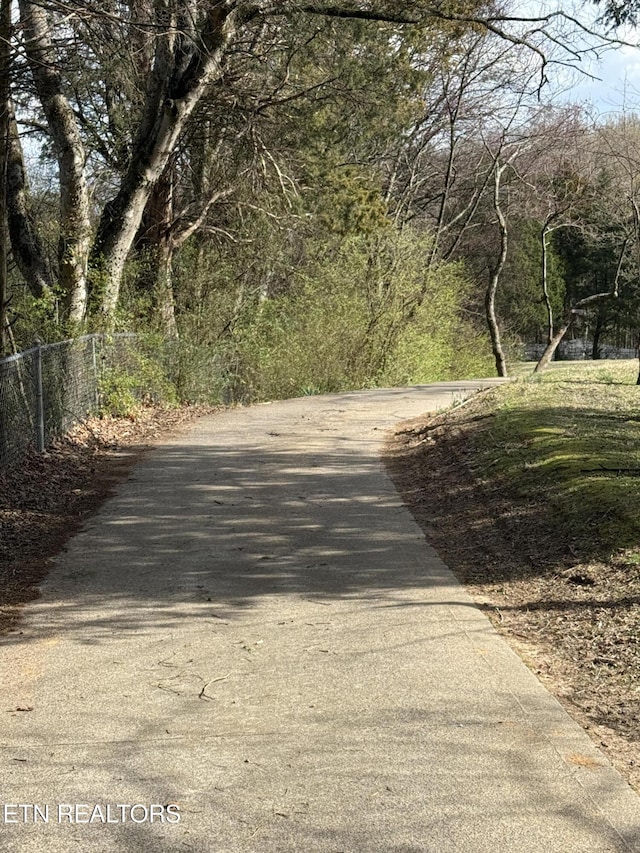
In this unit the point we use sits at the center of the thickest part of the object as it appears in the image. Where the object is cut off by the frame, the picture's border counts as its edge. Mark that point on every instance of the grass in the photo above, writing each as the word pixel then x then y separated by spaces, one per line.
pixel 570 438
pixel 531 494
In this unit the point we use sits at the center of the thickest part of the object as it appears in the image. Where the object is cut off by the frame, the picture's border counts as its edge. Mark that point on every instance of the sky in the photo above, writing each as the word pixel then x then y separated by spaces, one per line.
pixel 611 80
pixel 617 86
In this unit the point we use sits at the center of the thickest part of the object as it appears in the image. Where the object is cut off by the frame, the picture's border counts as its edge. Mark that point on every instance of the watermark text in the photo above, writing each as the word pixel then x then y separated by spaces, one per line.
pixel 88 813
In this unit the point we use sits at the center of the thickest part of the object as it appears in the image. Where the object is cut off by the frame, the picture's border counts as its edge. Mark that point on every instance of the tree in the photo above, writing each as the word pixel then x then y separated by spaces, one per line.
pixel 556 183
pixel 75 225
pixel 5 60
pixel 27 246
pixel 441 170
pixel 183 52
pixel 496 268
pixel 617 13
pixel 602 261
pixel 519 303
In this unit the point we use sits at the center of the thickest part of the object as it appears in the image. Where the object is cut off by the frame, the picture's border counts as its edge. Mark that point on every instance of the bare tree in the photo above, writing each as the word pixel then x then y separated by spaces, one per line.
pixel 495 270
pixel 27 246
pixel 574 310
pixel 184 48
pixel 556 183
pixel 75 225
pixel 597 190
pixel 5 82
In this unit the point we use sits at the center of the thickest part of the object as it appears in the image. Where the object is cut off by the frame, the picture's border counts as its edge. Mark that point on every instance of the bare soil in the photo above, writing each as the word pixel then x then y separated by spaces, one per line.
pixel 44 500
pixel 575 623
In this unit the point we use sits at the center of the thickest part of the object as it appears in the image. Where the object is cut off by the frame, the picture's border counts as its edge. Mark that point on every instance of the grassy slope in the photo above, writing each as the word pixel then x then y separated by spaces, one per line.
pixel 531 493
pixel 571 438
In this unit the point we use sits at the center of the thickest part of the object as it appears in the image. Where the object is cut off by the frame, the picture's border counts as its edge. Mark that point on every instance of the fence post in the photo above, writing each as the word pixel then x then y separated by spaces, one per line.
pixel 96 378
pixel 39 424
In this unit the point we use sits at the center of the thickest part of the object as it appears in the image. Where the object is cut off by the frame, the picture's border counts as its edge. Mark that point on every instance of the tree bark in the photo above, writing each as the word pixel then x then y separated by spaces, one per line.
pixel 494 278
pixel 176 87
pixel 545 284
pixel 492 322
pixel 26 244
pixel 5 62
pixel 157 248
pixel 75 226
pixel 597 331
pixel 552 346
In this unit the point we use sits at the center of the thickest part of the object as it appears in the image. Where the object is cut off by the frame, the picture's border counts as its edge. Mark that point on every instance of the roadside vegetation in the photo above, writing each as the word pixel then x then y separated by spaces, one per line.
pixel 313 197
pixel 538 488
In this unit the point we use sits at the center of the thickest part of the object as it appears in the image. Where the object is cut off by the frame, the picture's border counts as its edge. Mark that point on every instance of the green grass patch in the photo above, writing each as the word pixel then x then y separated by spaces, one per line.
pixel 568 440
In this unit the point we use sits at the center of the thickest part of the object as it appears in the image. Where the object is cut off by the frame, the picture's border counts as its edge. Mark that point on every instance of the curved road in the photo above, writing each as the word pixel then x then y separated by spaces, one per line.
pixel 253 635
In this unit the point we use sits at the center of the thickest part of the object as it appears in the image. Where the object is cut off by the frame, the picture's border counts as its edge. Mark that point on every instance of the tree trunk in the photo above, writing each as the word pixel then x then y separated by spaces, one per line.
pixel 75 226
pixel 492 322
pixel 156 245
pixel 545 285
pixel 173 95
pixel 5 61
pixel 597 331
pixel 553 344
pixel 490 296
pixel 164 294
pixel 26 244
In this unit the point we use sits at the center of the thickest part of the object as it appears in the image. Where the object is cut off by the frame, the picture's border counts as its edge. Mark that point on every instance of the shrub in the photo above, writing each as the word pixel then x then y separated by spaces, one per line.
pixel 134 375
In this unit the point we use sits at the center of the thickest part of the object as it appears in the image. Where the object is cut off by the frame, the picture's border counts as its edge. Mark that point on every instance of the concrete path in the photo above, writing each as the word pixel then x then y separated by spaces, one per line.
pixel 253 636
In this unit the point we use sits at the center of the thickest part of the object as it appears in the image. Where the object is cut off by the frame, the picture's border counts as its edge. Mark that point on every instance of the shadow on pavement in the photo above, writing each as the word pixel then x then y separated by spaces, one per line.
pixel 201 532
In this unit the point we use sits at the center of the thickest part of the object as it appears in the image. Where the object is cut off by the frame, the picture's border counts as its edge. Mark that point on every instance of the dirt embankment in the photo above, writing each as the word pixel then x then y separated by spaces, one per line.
pixel 575 622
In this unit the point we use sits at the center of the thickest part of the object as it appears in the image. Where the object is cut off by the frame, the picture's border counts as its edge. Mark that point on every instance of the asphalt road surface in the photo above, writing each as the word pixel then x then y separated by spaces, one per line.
pixel 253 648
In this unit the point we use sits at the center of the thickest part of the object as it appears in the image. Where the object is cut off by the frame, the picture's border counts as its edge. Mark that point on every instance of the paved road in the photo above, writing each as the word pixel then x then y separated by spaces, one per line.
pixel 254 636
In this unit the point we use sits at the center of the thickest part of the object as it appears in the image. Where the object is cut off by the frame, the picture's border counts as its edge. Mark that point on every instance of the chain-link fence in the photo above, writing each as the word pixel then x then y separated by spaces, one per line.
pixel 579 350
pixel 45 389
